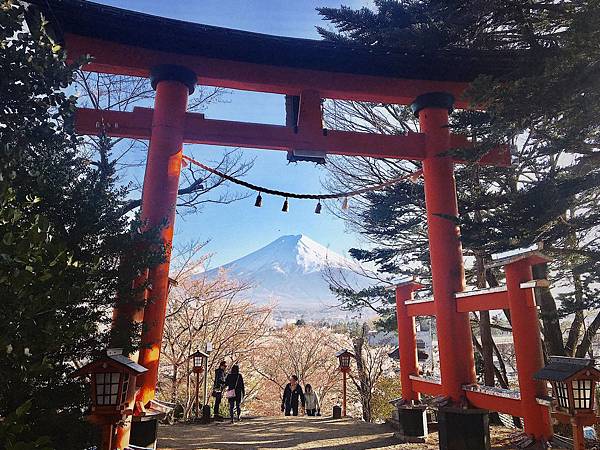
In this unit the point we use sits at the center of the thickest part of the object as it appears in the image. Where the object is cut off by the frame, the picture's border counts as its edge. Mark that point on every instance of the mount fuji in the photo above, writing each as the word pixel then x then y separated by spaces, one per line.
pixel 292 272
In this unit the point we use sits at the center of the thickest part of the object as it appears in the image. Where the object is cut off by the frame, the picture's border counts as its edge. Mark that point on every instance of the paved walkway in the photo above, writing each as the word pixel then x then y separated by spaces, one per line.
pixel 292 433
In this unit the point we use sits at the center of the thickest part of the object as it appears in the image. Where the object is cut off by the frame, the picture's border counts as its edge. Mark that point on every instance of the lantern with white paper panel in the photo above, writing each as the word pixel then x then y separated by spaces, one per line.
pixel 199 359
pixel 573 383
pixel 113 389
pixel 344 357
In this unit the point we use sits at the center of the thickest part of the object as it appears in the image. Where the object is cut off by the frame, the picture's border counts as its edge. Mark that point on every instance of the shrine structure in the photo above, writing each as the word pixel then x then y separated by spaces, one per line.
pixel 176 56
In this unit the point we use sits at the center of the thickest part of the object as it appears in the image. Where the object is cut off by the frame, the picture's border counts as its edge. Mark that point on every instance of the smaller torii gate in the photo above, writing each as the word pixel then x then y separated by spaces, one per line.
pixel 529 402
pixel 178 55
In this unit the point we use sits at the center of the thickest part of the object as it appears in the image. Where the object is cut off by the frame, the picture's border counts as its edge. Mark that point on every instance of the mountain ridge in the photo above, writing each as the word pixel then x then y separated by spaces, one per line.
pixel 292 271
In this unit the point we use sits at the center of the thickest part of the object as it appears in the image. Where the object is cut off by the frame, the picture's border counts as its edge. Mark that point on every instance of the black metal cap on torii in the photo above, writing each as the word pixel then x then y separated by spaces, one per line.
pixel 432 100
pixel 172 72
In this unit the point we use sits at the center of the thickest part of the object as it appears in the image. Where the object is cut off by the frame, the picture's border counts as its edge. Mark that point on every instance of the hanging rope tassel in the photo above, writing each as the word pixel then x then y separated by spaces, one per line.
pixel 263 190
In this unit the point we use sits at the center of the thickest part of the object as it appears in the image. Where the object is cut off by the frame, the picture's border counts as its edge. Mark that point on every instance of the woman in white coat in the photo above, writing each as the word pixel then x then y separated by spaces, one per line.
pixel 312 402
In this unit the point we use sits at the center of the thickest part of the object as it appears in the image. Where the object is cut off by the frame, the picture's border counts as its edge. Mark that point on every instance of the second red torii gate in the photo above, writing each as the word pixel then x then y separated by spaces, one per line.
pixel 178 55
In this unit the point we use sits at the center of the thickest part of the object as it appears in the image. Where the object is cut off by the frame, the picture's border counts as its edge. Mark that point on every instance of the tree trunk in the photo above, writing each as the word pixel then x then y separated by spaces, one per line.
pixel 492 282
pixel 578 321
pixel 500 373
pixel 174 381
pixel 485 331
pixel 586 342
pixel 364 388
pixel 553 340
pixel 574 333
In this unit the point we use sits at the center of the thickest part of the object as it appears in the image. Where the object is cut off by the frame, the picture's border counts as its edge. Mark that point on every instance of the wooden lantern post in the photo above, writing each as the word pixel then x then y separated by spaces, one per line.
pixel 344 358
pixel 573 386
pixel 113 393
pixel 199 360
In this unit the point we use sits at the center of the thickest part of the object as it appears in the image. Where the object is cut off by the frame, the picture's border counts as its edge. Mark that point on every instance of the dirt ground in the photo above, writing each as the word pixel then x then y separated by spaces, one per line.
pixel 296 433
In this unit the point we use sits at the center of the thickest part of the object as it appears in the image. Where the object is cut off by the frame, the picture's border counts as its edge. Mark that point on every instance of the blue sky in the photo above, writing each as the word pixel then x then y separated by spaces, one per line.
pixel 239 228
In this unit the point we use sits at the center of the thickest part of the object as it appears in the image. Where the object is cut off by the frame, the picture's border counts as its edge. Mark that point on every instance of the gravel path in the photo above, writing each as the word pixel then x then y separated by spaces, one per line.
pixel 295 433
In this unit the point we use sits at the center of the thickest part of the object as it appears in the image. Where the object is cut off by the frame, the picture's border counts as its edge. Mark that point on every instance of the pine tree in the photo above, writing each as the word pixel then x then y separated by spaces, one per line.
pixel 63 233
pixel 547 105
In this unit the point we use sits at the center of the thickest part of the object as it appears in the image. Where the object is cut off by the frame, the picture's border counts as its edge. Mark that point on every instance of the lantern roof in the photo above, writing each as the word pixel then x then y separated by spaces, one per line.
pixel 198 353
pixel 561 368
pixel 178 37
pixel 116 361
pixel 344 352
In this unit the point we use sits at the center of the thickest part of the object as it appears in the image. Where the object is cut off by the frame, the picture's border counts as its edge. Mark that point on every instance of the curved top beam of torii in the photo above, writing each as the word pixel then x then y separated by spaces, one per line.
pixel 131 43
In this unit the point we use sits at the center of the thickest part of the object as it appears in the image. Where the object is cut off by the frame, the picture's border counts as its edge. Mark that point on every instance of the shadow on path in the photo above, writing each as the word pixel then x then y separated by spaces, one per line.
pixel 286 433
pixel 278 433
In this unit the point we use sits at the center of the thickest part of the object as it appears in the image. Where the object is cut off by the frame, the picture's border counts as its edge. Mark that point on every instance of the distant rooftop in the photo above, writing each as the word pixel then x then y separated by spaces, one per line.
pixel 185 38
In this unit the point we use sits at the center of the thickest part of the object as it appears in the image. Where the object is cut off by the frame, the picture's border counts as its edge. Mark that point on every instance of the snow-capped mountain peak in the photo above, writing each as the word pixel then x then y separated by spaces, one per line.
pixel 291 270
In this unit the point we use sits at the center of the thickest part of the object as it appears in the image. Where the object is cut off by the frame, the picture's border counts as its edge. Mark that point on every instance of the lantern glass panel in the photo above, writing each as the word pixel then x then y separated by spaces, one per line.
pixel 561 394
pixel 197 361
pixel 582 394
pixel 107 388
pixel 345 361
pixel 125 387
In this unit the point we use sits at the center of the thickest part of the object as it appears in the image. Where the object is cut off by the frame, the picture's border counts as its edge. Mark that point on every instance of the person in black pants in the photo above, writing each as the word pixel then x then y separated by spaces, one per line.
pixel 218 387
pixel 235 390
pixel 292 395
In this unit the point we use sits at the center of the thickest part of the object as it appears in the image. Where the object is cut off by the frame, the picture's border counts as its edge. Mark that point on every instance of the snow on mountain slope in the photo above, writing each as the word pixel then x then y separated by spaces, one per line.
pixel 291 271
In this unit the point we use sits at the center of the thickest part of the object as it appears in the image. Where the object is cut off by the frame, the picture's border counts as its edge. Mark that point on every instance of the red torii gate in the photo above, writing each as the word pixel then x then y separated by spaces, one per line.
pixel 178 55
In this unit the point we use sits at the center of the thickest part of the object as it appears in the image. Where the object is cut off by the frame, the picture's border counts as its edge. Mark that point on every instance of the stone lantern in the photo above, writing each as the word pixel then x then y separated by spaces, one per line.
pixel 573 387
pixel 199 364
pixel 344 357
pixel 113 391
pixel 199 359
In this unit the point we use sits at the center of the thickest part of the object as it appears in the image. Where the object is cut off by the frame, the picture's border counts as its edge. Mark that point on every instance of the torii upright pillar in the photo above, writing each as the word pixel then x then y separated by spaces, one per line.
pixel 457 365
pixel 528 346
pixel 173 84
pixel 407 340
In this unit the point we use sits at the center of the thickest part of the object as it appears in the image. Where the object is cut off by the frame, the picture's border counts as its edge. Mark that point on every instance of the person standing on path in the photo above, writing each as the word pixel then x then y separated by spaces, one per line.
pixel 218 386
pixel 292 395
pixel 312 402
pixel 235 391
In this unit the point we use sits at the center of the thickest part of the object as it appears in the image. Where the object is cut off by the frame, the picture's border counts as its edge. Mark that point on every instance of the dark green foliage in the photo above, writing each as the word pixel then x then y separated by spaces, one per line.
pixel 62 233
pixel 549 111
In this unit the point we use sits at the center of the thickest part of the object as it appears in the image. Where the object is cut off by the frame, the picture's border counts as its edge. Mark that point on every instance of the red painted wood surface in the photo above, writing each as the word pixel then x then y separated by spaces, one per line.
pixel 159 198
pixel 483 302
pixel 199 130
pixel 407 340
pixel 111 57
pixel 528 349
pixel 494 403
pixel 427 387
pixel 421 309
pixel 457 365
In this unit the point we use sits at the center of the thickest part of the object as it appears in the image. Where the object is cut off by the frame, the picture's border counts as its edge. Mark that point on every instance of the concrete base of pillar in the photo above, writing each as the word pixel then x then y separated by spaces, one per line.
pixel 408 439
pixel 337 412
pixel 144 433
pixel 463 429
pixel 412 423
pixel 206 414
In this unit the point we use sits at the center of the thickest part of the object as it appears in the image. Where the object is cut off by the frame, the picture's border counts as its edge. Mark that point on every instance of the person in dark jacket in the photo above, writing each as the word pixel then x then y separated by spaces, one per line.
pixel 292 396
pixel 218 387
pixel 235 390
